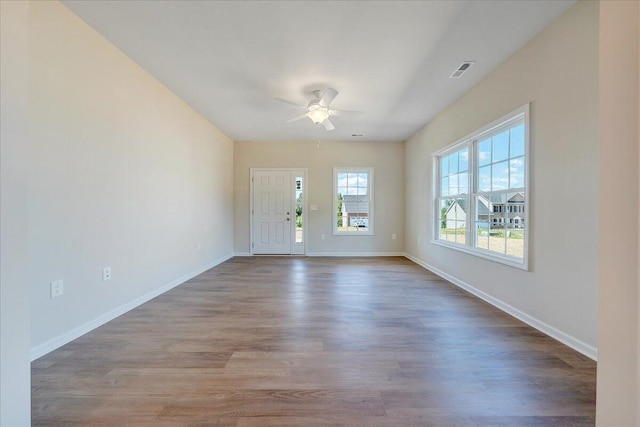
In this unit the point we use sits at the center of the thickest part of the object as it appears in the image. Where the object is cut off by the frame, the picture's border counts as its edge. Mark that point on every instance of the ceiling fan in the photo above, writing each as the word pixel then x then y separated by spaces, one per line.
pixel 318 109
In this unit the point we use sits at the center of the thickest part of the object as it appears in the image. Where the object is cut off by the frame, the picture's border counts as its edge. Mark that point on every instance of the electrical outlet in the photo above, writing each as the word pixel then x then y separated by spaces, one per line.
pixel 57 288
pixel 106 274
pixel 418 240
pixel 323 237
pixel 393 236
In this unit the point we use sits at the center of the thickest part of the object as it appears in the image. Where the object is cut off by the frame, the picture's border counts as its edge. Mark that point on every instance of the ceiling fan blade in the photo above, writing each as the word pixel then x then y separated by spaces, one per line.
pixel 328 125
pixel 291 103
pixel 328 96
pixel 344 112
pixel 296 118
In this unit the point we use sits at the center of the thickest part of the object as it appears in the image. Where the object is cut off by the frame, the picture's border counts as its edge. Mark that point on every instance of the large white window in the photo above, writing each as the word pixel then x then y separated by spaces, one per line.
pixel 482 191
pixel 353 201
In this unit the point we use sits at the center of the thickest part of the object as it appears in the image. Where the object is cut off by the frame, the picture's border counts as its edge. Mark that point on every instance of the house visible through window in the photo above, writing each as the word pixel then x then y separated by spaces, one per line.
pixel 481 191
pixel 353 201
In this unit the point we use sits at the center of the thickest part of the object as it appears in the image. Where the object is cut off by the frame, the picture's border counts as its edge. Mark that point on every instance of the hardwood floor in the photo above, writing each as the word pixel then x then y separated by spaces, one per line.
pixel 280 341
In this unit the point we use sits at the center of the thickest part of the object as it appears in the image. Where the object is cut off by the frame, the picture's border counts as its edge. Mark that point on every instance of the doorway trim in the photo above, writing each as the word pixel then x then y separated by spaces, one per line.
pixel 305 196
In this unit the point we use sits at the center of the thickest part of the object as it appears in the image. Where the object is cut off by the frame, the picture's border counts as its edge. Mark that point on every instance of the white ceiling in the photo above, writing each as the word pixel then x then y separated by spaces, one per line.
pixel 390 59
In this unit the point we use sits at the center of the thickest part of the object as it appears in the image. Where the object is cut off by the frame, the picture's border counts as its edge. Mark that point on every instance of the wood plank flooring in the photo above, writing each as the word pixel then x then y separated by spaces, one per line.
pixel 280 341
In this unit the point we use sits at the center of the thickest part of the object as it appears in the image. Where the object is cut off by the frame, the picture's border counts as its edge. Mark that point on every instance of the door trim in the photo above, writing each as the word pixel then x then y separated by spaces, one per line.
pixel 305 201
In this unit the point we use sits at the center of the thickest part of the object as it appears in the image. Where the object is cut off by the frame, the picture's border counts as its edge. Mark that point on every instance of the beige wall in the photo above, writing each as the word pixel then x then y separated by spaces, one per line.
pixel 15 371
pixel 617 394
pixel 387 159
pixel 557 72
pixel 122 173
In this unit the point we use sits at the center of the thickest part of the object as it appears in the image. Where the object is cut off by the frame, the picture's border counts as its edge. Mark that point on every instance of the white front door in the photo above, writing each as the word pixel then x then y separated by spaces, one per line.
pixel 272 212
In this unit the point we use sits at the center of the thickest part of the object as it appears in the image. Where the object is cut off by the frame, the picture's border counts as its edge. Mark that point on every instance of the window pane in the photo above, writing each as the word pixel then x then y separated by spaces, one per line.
pixel 482 235
pixel 364 209
pixel 444 206
pixel 342 179
pixel 497 240
pixel 463 160
pixel 484 179
pixel 299 208
pixel 447 213
pixel 448 219
pixel 353 209
pixel 453 163
pixel 500 147
pixel 484 152
pixel 515 226
pixel 517 141
pixel 445 186
pixel 453 219
pixel 507 236
pixel 453 185
pixel 352 180
pixel 500 176
pixel 444 166
pixel 463 183
pixel 449 235
pixel 460 232
pixel 483 221
pixel 499 216
pixel 516 173
pixel 515 241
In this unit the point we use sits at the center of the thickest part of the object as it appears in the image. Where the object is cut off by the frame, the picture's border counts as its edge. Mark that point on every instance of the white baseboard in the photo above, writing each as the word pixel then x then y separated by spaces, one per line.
pixel 59 341
pixel 331 254
pixel 568 340
pixel 355 254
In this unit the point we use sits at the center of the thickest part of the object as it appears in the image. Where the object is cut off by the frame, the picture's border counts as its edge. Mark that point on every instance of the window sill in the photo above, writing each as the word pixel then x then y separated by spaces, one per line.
pixel 353 233
pixel 480 253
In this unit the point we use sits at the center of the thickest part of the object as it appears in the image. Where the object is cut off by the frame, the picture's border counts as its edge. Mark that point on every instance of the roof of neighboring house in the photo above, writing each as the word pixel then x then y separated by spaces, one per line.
pixel 483 210
pixel 517 198
pixel 350 203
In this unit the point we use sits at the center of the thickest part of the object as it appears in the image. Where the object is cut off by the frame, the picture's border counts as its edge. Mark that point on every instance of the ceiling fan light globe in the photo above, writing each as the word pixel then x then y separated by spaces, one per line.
pixel 318 115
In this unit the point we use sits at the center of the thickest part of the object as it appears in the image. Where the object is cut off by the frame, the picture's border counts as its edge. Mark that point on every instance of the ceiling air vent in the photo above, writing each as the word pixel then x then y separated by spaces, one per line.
pixel 461 69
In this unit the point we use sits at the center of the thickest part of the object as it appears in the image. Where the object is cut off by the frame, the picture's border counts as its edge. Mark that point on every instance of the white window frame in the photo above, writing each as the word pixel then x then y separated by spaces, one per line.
pixel 370 192
pixel 471 141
